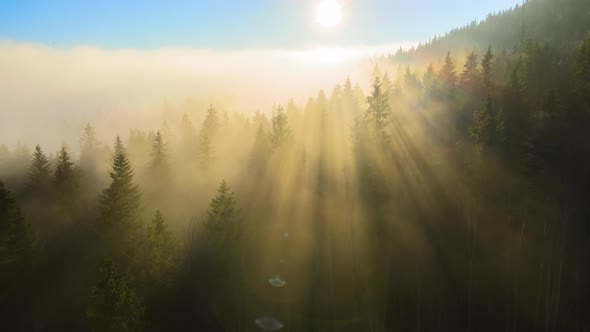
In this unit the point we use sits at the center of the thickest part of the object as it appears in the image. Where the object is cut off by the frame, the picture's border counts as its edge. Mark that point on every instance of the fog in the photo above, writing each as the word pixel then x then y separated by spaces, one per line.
pixel 48 93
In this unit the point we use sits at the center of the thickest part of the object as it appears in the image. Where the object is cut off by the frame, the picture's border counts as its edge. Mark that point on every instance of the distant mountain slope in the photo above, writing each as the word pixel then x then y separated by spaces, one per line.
pixel 559 23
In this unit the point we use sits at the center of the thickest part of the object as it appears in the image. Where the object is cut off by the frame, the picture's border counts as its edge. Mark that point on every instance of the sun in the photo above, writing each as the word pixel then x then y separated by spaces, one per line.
pixel 329 13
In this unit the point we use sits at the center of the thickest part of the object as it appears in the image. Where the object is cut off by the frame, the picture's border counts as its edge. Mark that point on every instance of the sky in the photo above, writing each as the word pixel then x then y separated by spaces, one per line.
pixel 115 63
pixel 232 24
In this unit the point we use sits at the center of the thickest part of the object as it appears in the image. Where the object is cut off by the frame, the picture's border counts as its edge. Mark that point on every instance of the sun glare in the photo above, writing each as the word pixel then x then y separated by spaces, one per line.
pixel 329 13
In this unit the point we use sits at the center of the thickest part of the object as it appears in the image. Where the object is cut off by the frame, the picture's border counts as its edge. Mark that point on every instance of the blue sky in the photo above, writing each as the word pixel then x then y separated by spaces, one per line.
pixel 232 24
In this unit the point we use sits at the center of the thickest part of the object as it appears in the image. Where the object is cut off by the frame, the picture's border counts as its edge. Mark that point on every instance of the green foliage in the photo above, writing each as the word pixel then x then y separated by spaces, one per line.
pixel 159 163
pixel 377 115
pixel 89 148
pixel 120 202
pixel 447 77
pixel 280 128
pixel 211 124
pixel 163 250
pixel 222 222
pixel 39 170
pixel 486 127
pixel 15 234
pixel 470 77
pixel 64 171
pixel 486 66
pixel 114 304
pixel 206 152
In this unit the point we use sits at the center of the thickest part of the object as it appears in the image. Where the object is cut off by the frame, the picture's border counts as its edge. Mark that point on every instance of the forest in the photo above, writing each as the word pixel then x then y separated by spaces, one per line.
pixel 452 195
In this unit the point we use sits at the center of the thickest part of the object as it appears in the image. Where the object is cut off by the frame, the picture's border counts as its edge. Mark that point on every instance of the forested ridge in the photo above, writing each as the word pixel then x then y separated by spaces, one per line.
pixel 448 196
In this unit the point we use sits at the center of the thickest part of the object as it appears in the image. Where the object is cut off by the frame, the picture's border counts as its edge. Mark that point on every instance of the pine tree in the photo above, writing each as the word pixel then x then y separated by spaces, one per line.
pixel 16 239
pixel 162 248
pixel 484 129
pixel 206 152
pixel 429 80
pixel 470 75
pixel 486 66
pixel 211 124
pixel 120 202
pixel 280 128
pixel 448 76
pixel 377 115
pixel 411 83
pixel 89 149
pixel 159 164
pixel 39 170
pixel 64 169
pixel 222 215
pixel 114 304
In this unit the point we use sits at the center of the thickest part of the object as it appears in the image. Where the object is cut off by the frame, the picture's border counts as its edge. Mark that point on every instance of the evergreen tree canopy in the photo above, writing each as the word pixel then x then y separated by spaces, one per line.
pixel 120 202
pixel 280 127
pixel 379 110
pixel 15 234
pixel 222 215
pixel 162 247
pixel 160 158
pixel 114 304
pixel 39 170
pixel 64 169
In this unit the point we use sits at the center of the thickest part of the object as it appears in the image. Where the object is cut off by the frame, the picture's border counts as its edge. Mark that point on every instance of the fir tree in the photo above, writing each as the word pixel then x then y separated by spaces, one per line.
pixel 470 75
pixel 429 80
pixel 89 149
pixel 64 170
pixel 280 128
pixel 120 202
pixel 448 76
pixel 222 215
pixel 114 304
pixel 15 235
pixel 162 248
pixel 211 124
pixel 159 163
pixel 484 129
pixel 379 110
pixel 39 170
pixel 486 66
pixel 206 152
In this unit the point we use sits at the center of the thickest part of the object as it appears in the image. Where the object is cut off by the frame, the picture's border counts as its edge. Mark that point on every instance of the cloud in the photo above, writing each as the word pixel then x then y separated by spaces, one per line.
pixel 43 88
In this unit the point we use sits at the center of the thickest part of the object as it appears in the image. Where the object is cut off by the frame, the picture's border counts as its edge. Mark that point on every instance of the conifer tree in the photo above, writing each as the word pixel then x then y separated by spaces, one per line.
pixel 114 304
pixel 486 66
pixel 120 202
pixel 377 115
pixel 162 248
pixel 484 129
pixel 448 76
pixel 39 170
pixel 429 80
pixel 470 75
pixel 159 164
pixel 211 124
pixel 64 169
pixel 206 152
pixel 15 235
pixel 89 149
pixel 280 128
pixel 222 215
